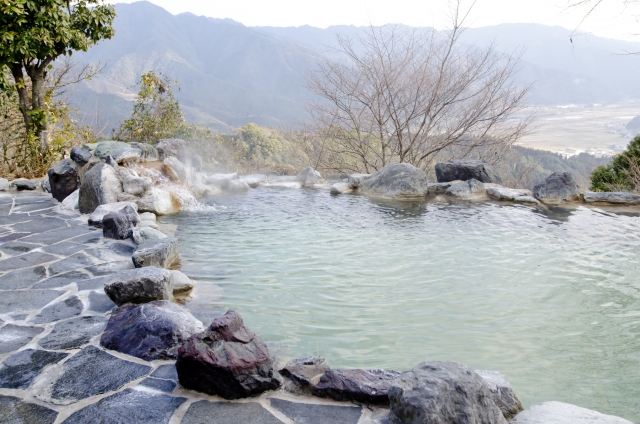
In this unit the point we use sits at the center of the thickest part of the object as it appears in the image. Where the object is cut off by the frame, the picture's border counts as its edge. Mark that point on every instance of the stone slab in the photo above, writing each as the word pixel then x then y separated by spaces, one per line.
pixel 13 236
pixel 17 411
pixel 64 248
pixel 13 337
pixel 40 225
pixel 92 371
pixel 62 280
pixel 22 278
pixel 20 369
pixel 159 384
pixel 92 284
pixel 205 412
pixel 26 260
pixel 100 302
pixel 29 300
pixel 74 333
pixel 306 413
pixel 167 372
pixel 76 261
pixel 66 308
pixel 110 267
pixel 17 247
pixel 129 406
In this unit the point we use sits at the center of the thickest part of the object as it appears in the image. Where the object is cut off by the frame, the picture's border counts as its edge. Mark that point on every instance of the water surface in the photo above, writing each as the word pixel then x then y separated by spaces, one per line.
pixel 551 299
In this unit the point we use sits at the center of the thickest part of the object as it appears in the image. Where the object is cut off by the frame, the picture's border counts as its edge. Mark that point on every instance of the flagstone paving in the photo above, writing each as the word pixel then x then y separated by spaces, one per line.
pixel 52 312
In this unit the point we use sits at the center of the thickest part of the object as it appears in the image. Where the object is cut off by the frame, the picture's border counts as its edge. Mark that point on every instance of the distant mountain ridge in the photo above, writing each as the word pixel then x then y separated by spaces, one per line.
pixel 230 74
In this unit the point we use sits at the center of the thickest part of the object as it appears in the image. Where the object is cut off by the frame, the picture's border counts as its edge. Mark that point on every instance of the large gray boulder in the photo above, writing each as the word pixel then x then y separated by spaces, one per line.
pixel 142 234
pixel 366 386
pixel 611 198
pixel 149 152
pixel 442 392
pixel 465 170
pixel 564 413
pixel 399 181
pixel 150 331
pixel 136 185
pixel 4 184
pixel 175 169
pixel 309 176
pixel 119 151
pixel 226 360
pixel 159 202
pixel 559 187
pixel 173 147
pixel 80 155
pixel 181 283
pixel 466 189
pixel 117 225
pixel 502 392
pixel 95 219
pixel 100 185
pixel 156 252
pixel 140 285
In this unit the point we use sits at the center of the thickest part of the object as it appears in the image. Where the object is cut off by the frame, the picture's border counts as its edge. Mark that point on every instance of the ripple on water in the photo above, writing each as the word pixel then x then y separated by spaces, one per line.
pixel 550 298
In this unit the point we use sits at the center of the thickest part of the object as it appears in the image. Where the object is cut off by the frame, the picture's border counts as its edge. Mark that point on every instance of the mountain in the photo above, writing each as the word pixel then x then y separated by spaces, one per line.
pixel 230 74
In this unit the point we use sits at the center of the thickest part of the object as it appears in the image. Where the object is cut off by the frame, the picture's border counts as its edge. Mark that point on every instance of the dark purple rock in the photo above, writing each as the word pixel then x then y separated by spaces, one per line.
pixel 150 331
pixel 466 170
pixel 117 225
pixel 80 155
pixel 63 179
pixel 366 386
pixel 227 360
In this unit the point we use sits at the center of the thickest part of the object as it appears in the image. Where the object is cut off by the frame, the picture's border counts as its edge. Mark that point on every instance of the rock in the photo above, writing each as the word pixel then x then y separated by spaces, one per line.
pixel 175 169
pixel 227 360
pixel 366 386
pixel 71 202
pixel 341 188
pixel 465 170
pixel 150 331
pixel 93 161
pixel 221 180
pixel 442 392
pixel 20 369
pixel 503 193
pixel 399 181
pixel 564 413
pixel 440 188
pixel 99 213
pixel 254 180
pixel 45 184
pixel 140 285
pixel 611 198
pixel 355 180
pixel 158 201
pixel 557 188
pixel 129 406
pixel 99 186
pixel 4 184
pixel 173 147
pixel 181 283
pixel 149 152
pixel 140 235
pixel 502 392
pixel 156 252
pixel 196 162
pixel 89 372
pixel 118 151
pixel 136 185
pixel 466 189
pixel 80 156
pixel 22 184
pixel 15 410
pixel 237 186
pixel 308 413
pixel 309 176
pixel 148 216
pixel 116 225
pixel 305 372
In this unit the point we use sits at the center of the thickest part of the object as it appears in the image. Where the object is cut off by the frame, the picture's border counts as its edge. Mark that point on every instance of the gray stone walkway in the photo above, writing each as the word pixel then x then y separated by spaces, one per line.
pixel 52 312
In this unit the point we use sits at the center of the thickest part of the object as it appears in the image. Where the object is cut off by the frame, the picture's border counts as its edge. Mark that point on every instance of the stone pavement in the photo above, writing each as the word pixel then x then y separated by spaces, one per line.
pixel 52 312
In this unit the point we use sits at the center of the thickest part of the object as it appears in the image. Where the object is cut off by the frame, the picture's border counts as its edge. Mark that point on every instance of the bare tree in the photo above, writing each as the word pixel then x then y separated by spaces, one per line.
pixel 404 95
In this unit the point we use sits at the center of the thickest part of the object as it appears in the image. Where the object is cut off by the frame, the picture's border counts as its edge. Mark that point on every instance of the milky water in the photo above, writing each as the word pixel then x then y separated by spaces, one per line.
pixel 551 299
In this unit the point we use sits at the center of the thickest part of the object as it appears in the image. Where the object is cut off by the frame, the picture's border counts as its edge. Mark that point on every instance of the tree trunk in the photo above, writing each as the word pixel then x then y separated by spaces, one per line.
pixel 38 91
pixel 23 95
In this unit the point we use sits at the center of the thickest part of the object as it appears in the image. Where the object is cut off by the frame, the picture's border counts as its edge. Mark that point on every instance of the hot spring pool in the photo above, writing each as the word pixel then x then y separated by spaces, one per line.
pixel 551 299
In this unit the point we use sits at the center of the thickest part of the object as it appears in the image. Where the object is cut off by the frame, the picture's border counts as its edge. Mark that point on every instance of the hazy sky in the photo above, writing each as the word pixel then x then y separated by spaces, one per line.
pixel 611 19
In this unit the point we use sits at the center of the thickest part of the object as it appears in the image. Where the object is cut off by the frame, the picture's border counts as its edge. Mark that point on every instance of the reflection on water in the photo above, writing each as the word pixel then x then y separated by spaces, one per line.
pixel 550 298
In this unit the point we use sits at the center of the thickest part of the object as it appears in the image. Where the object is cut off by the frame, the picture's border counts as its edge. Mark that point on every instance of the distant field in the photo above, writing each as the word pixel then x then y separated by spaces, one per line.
pixel 582 127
